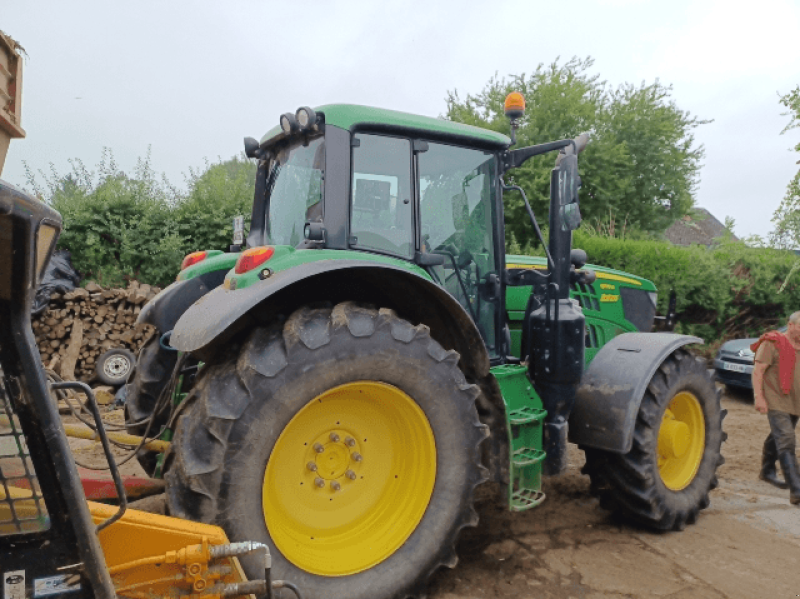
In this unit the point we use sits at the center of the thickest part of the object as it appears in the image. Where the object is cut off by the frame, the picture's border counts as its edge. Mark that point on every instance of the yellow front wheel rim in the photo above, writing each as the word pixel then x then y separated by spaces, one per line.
pixel 349 478
pixel 681 441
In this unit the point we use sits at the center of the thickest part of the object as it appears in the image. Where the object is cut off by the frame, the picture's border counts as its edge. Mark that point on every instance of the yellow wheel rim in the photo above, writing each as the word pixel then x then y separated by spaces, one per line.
pixel 349 478
pixel 681 441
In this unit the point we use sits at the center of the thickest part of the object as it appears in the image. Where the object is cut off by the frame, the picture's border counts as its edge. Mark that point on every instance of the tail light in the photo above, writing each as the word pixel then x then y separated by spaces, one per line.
pixel 253 258
pixel 193 258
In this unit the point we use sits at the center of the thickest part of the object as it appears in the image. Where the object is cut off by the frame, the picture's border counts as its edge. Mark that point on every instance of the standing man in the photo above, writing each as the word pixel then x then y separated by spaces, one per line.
pixel 776 388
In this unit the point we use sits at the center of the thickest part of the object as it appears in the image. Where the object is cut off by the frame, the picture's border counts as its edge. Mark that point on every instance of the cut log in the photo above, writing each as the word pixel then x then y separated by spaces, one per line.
pixel 73 351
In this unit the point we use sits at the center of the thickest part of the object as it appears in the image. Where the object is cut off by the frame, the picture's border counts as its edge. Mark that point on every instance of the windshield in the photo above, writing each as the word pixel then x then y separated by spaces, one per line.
pixel 294 191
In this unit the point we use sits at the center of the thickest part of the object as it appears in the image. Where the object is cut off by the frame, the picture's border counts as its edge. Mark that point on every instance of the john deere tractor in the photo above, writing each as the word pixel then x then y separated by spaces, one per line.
pixel 338 384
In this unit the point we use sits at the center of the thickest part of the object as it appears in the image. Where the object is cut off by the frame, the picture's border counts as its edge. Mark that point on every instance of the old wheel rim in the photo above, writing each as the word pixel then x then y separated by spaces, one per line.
pixel 681 441
pixel 349 478
pixel 117 366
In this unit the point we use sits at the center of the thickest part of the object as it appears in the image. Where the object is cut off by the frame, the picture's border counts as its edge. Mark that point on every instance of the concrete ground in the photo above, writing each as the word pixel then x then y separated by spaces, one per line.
pixel 746 545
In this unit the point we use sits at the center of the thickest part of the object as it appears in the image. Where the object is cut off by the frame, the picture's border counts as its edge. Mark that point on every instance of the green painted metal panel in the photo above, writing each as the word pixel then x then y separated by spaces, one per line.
pixel 348 116
pixel 524 422
pixel 286 257
pixel 601 303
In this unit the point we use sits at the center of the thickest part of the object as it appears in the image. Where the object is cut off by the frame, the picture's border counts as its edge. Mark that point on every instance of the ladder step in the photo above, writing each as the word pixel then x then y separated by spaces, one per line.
pixel 527 456
pixel 525 499
pixel 526 416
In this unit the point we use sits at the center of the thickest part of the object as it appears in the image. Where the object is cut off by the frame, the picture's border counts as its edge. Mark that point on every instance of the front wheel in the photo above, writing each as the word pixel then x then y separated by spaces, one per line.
pixel 346 439
pixel 666 477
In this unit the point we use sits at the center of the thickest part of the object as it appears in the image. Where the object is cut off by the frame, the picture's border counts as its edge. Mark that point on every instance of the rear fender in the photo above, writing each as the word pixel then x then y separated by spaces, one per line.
pixel 612 388
pixel 164 310
pixel 206 326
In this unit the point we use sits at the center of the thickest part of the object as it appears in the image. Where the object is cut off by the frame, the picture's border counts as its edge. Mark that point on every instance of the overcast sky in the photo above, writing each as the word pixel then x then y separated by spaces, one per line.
pixel 191 79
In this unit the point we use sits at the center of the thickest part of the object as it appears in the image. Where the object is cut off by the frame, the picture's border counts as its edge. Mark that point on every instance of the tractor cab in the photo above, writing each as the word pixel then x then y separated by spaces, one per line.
pixel 385 183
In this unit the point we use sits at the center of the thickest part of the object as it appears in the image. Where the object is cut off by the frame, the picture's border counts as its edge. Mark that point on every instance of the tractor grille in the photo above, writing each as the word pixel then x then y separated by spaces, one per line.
pixel 22 508
pixel 586 296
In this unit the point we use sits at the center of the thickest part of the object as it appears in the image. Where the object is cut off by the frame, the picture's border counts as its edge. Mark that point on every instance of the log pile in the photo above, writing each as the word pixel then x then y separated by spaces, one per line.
pixel 80 325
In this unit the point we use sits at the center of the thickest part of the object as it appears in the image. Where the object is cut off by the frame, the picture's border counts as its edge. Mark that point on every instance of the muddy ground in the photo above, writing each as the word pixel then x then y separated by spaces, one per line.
pixel 745 545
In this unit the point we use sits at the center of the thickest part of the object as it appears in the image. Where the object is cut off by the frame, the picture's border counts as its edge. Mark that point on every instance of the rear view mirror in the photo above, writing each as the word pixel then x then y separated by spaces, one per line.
pixel 568 183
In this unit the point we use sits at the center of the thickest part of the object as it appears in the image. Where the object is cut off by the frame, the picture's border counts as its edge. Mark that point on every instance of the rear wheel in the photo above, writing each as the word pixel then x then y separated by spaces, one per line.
pixel 152 372
pixel 666 477
pixel 346 439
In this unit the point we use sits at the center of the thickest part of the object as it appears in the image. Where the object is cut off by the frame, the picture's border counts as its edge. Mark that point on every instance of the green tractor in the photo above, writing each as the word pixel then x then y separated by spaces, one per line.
pixel 339 383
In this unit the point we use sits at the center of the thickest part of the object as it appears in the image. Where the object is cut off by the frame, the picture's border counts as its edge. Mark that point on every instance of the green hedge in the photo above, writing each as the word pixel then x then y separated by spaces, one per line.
pixel 725 292
pixel 120 227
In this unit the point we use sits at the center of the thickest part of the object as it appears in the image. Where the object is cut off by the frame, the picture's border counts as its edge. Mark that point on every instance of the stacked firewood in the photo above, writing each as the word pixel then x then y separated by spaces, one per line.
pixel 82 324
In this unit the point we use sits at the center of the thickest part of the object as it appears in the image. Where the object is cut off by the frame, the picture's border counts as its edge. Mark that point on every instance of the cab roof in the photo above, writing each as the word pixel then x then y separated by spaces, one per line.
pixel 353 116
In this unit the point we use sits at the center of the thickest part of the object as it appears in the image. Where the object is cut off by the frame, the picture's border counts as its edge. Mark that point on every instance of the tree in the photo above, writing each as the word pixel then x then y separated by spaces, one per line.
pixel 786 218
pixel 641 166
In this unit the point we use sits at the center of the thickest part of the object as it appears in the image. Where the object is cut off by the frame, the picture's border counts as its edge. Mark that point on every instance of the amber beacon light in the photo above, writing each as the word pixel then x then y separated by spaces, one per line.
pixel 514 105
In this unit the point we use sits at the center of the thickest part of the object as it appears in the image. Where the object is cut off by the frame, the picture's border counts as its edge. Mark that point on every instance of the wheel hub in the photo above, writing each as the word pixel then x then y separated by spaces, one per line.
pixel 337 458
pixel 117 366
pixel 681 441
pixel 675 437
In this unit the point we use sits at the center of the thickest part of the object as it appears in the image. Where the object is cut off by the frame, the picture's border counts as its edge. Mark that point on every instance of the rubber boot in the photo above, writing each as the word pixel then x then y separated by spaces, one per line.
pixel 769 472
pixel 792 475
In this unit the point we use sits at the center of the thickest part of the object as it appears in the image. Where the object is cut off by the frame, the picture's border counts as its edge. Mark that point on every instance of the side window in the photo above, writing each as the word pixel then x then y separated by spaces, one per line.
pixel 381 214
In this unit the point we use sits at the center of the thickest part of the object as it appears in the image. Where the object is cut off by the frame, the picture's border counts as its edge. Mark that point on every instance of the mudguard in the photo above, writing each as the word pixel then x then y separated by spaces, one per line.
pixel 222 312
pixel 164 310
pixel 611 390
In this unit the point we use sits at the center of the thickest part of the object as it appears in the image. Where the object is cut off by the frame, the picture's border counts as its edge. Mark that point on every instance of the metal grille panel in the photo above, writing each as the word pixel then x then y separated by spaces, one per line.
pixel 22 507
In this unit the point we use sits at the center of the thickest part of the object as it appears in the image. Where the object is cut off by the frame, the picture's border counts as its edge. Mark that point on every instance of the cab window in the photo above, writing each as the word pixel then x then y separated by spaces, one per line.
pixel 381 214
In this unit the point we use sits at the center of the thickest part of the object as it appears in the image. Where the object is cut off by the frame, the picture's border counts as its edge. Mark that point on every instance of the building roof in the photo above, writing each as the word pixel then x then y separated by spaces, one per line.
pixel 349 116
pixel 699 227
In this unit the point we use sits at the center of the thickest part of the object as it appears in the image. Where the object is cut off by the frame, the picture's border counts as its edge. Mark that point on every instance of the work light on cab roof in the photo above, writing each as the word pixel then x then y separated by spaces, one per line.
pixel 306 117
pixel 289 123
pixel 253 258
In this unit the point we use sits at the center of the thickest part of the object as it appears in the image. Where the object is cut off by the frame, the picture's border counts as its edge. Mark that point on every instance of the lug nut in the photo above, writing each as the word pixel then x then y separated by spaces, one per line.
pixel 356 456
pixel 335 486
pixel 311 466
pixel 350 474
pixel 319 482
pixel 334 437
pixel 349 441
pixel 318 447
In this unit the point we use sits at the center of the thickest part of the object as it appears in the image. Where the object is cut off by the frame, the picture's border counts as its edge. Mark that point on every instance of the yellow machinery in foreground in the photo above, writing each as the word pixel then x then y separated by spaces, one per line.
pixel 52 541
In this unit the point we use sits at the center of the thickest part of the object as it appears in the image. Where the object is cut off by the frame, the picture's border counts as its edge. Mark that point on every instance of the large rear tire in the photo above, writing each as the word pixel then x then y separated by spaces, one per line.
pixel 665 479
pixel 152 372
pixel 346 439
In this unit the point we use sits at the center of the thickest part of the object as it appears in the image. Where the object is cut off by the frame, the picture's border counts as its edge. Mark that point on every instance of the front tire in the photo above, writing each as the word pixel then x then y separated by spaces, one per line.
pixel 268 452
pixel 665 479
